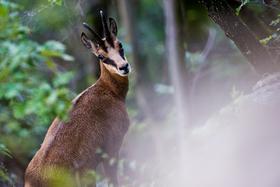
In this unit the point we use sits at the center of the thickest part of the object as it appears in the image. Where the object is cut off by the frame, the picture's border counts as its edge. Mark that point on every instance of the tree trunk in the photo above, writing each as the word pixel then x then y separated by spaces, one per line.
pixel 172 52
pixel 222 14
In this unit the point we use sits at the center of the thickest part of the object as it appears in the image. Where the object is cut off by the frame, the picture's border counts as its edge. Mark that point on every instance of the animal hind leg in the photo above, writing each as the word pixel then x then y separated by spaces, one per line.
pixel 110 166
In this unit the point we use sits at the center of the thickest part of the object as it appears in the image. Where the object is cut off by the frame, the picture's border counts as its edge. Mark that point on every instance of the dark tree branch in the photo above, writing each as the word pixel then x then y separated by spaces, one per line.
pixel 273 4
pixel 223 15
pixel 260 24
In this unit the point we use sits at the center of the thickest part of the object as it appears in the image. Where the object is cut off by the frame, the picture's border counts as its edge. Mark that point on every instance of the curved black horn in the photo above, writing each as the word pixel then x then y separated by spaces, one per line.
pixel 96 37
pixel 106 32
pixel 113 26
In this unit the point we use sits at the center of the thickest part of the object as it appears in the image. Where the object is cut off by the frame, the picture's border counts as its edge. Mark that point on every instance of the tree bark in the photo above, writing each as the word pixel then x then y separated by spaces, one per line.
pixel 223 15
pixel 175 73
pixel 173 56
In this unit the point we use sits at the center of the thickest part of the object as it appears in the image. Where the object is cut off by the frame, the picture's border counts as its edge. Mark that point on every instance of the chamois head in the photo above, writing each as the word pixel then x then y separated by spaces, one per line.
pixel 108 49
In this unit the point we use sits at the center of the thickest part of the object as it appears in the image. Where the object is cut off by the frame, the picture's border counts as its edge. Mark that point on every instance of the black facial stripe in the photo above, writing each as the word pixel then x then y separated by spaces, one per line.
pixel 121 51
pixel 110 62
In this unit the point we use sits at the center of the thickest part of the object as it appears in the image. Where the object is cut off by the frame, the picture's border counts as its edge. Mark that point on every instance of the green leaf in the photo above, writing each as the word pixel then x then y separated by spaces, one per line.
pixel 67 57
pixel 3 11
pixel 3 175
pixel 54 46
pixel 62 79
pixel 57 2
pixel 52 98
pixel 19 110
pixel 266 40
pixel 4 151
pixel 51 65
pixel 12 90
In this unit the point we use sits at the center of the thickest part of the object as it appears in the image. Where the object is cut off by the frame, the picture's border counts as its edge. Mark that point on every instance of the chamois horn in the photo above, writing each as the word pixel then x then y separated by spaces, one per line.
pixel 106 32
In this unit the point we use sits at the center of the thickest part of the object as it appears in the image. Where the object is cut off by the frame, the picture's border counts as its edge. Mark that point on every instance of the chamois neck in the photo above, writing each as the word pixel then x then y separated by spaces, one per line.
pixel 116 83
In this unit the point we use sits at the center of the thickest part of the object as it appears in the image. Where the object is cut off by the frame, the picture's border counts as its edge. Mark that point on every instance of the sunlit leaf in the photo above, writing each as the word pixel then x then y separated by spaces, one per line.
pixel 58 2
pixel 67 57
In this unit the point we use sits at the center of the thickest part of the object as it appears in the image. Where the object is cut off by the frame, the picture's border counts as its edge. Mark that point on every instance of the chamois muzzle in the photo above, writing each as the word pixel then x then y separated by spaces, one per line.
pixel 124 70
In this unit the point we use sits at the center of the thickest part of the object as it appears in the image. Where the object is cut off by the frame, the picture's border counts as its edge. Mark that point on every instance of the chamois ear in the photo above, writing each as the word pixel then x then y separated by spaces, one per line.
pixel 86 41
pixel 113 26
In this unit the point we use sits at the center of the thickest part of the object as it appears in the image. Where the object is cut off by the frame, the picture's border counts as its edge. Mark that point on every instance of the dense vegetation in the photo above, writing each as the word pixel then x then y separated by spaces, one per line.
pixel 33 89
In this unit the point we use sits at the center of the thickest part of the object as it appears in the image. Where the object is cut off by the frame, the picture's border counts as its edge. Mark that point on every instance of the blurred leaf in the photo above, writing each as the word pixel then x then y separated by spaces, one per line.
pixel 51 65
pixel 58 2
pixel 3 12
pixel 266 40
pixel 62 79
pixel 54 46
pixel 19 111
pixel 59 177
pixel 4 151
pixel 52 98
pixel 3 175
pixel 67 57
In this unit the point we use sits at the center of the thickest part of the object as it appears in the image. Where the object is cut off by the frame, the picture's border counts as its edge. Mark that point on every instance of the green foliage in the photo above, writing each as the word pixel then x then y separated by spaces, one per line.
pixel 3 173
pixel 4 150
pixel 32 89
pixel 274 37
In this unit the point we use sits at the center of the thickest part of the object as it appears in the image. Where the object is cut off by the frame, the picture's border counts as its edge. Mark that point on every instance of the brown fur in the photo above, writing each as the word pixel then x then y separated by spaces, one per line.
pixel 98 119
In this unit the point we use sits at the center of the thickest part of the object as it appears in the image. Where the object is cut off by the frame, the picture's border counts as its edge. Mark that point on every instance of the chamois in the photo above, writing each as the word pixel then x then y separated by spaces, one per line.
pixel 98 119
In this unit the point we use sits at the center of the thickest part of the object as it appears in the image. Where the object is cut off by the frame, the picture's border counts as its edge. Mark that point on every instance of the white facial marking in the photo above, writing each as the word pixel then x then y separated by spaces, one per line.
pixel 114 55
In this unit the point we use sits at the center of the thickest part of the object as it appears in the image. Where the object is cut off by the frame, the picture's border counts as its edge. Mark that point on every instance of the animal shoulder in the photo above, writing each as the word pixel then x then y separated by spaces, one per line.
pixel 92 92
